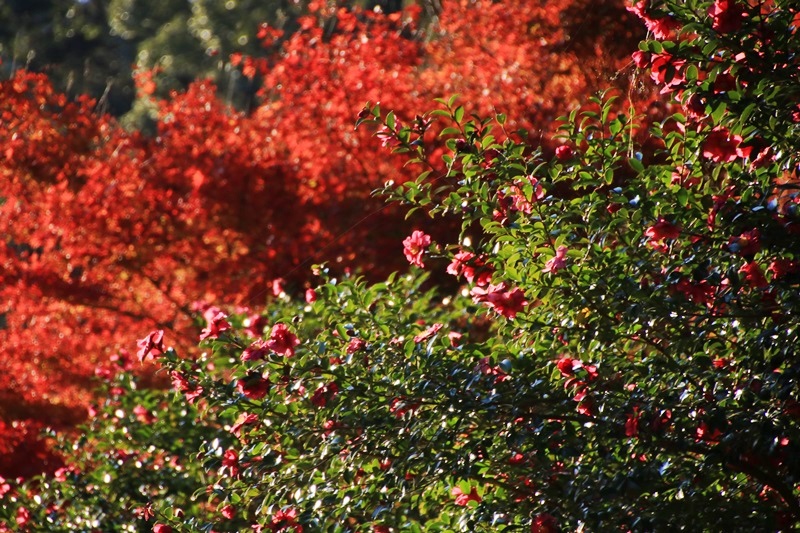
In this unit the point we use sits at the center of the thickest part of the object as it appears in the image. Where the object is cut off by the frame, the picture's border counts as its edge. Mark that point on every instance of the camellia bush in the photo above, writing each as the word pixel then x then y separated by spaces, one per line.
pixel 108 232
pixel 620 355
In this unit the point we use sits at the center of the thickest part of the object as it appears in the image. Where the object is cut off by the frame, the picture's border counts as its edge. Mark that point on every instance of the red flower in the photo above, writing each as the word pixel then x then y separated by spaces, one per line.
pixel 428 333
pixel 722 147
pixel 498 297
pixel 640 59
pixel 324 394
pixel 181 384
pixel 283 520
pixel 544 523
pixel 162 528
pixel 154 342
pixel 782 267
pixel 414 246
pixel 282 341
pixel 753 275
pixel 473 269
pixel 243 420
pixel 464 499
pixel 311 296
pixel 229 511
pixel 216 325
pixel 356 345
pixel 746 244
pixel 661 231
pixel 564 152
pixel 557 262
pixel 399 407
pixel 230 460
pixel 253 386
pixel 726 15
pixel 632 424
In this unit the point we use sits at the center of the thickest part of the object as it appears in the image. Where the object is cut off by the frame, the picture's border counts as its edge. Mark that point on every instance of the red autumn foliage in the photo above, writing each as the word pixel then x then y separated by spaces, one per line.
pixel 108 233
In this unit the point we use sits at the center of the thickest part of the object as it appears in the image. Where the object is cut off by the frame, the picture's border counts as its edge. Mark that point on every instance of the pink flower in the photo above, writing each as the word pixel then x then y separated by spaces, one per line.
pixel 257 350
pixel 153 343
pixel 282 341
pixel 498 297
pixel 557 262
pixel 143 415
pixel 23 516
pixel 218 324
pixel 414 246
pixel 277 286
pixel 464 499
pixel 428 333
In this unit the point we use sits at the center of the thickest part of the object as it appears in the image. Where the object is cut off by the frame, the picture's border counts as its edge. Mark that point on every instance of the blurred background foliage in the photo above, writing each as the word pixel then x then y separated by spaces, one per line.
pixel 94 46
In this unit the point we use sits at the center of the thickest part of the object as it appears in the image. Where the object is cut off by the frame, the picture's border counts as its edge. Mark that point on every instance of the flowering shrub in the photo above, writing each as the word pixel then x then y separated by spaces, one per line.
pixel 108 232
pixel 621 354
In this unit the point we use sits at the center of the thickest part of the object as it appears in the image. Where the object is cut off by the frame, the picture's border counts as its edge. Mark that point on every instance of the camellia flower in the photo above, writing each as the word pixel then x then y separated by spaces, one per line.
pixel 471 267
pixel 324 394
pixel 162 528
pixel 181 384
pixel 722 147
pixel 283 520
pixel 230 461
pixel 544 523
pixel 660 231
pixel 506 302
pixel 726 15
pixel 564 152
pixel 257 350
pixel 464 499
pixel 244 419
pixel 228 511
pixel 311 296
pixel 414 246
pixel 153 343
pixel 428 333
pixel 356 345
pixel 253 386
pixel 217 325
pixel 282 341
pixel 557 262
